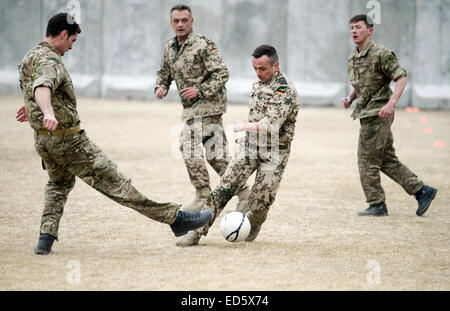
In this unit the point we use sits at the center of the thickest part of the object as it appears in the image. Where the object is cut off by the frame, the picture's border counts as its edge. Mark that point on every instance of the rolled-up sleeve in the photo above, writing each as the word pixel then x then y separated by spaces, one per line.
pixel 390 66
pixel 48 74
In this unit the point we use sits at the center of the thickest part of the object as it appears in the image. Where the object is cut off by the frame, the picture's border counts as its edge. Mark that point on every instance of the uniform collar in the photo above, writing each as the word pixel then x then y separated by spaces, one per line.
pixel 187 41
pixel 50 46
pixel 274 78
pixel 365 51
pixel 189 37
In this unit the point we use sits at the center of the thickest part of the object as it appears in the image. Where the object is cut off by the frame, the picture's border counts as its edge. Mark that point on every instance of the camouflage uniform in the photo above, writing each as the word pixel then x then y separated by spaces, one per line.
pixel 75 155
pixel 274 103
pixel 197 63
pixel 371 72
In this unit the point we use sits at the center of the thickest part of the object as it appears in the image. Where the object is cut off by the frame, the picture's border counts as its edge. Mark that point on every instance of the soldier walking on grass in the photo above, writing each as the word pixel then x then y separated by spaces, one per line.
pixel 371 68
pixel 200 73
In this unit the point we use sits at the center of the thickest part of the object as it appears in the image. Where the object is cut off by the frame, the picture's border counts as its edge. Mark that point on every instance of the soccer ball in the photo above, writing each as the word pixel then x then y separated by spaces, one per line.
pixel 235 227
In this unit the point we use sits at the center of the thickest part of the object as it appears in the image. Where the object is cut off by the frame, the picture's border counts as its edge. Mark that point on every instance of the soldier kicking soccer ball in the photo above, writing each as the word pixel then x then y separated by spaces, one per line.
pixel 66 151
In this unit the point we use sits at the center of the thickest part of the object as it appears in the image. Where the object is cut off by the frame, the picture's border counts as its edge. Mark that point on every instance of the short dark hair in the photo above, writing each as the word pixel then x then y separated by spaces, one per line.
pixel 362 17
pixel 268 50
pixel 61 22
pixel 181 7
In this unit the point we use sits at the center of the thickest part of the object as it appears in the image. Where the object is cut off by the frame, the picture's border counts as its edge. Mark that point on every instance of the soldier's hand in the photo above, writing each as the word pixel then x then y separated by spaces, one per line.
pixel 189 93
pixel 22 115
pixel 50 122
pixel 346 101
pixel 386 110
pixel 161 93
pixel 239 126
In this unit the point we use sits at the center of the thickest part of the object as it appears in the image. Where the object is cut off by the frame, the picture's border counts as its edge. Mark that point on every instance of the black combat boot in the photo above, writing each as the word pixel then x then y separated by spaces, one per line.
pixel 44 246
pixel 187 221
pixel 424 197
pixel 378 209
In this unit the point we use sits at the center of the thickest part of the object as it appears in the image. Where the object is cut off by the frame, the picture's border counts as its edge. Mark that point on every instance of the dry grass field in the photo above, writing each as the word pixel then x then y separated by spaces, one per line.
pixel 312 239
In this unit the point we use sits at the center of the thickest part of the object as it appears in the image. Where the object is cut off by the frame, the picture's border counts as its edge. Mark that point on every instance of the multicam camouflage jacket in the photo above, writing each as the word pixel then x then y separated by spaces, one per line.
pixel 43 66
pixel 196 63
pixel 275 104
pixel 371 72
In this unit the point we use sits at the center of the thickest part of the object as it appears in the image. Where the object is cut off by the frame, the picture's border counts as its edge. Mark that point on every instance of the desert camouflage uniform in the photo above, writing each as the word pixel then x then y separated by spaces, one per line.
pixel 274 103
pixel 371 72
pixel 197 63
pixel 68 156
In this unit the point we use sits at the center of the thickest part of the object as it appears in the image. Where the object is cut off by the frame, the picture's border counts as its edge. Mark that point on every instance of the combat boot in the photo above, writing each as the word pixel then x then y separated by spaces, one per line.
pixel 378 209
pixel 424 197
pixel 254 231
pixel 187 221
pixel 201 195
pixel 242 205
pixel 44 246
pixel 189 239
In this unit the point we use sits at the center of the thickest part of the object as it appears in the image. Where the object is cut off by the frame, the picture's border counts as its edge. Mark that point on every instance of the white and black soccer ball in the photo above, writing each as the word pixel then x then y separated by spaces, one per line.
pixel 235 227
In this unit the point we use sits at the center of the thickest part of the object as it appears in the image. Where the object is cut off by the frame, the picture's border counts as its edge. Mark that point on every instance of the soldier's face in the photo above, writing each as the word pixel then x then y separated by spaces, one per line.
pixel 65 43
pixel 264 70
pixel 360 32
pixel 181 22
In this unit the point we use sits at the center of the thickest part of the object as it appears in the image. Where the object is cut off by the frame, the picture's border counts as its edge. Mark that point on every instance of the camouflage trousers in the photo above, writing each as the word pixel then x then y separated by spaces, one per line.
pixel 269 172
pixel 70 156
pixel 204 137
pixel 376 153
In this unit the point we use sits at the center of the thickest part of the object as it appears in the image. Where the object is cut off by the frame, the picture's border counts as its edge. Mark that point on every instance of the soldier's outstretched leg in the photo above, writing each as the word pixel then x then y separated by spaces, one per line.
pixel 92 165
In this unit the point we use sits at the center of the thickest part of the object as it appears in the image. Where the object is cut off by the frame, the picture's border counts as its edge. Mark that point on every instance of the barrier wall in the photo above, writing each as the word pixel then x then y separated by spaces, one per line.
pixel 119 51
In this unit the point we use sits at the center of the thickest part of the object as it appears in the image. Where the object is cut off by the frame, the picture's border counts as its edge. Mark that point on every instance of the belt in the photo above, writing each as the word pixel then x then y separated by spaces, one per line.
pixel 65 132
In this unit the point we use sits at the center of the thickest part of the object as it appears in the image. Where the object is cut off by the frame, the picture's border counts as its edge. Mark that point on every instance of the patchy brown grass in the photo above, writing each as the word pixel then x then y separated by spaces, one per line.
pixel 312 239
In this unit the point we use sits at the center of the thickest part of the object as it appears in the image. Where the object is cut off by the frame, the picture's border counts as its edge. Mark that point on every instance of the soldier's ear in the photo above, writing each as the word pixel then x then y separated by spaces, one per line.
pixel 276 65
pixel 64 35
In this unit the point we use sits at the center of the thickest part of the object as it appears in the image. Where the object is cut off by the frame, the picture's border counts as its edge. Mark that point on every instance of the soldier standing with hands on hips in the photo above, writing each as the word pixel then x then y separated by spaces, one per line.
pixel 371 68
pixel 200 73
pixel 66 151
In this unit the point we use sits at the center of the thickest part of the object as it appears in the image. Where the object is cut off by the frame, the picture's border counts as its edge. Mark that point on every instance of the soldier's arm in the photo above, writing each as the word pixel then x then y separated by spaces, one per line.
pixel 253 127
pixel 400 86
pixel 164 79
pixel 388 109
pixel 392 69
pixel 43 97
pixel 48 78
pixel 218 73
